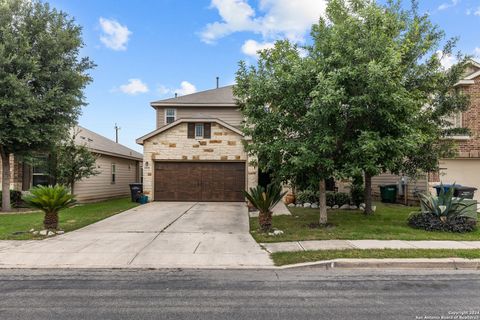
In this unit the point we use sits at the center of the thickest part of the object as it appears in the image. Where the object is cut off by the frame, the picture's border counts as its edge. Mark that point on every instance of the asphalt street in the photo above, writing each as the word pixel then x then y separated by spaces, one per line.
pixel 308 293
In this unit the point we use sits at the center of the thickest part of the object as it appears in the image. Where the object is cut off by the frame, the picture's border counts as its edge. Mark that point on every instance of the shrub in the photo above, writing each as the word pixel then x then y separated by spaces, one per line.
pixel 444 213
pixel 357 190
pixel 15 198
pixel 331 198
pixel 342 198
pixel 264 201
pixel 50 200
pixel 307 195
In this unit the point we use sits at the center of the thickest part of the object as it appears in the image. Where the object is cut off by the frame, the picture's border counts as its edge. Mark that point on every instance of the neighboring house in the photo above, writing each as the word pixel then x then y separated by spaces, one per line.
pixel 118 166
pixel 464 169
pixel 196 153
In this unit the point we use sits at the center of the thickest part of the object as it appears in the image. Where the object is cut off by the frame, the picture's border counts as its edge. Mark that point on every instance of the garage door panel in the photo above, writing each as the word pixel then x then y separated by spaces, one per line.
pixel 197 181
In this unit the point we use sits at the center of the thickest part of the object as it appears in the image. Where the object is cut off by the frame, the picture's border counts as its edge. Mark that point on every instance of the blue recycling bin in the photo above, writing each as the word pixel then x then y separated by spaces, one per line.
pixel 446 187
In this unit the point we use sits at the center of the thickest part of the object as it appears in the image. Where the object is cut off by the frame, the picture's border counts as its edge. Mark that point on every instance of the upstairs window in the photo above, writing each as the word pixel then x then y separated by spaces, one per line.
pixel 170 115
pixel 199 130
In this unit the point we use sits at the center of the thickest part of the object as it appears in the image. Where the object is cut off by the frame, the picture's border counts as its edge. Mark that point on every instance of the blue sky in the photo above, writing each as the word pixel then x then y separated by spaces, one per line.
pixel 147 50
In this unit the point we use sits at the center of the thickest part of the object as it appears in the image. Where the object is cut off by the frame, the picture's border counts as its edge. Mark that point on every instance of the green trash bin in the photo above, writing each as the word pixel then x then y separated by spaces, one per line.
pixel 388 193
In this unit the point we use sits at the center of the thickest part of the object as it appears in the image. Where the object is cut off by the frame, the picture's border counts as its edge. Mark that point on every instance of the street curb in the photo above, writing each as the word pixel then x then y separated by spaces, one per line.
pixel 447 263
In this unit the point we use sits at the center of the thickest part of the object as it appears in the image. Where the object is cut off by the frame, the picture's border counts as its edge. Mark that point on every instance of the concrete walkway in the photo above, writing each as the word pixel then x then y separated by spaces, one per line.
pixel 367 244
pixel 156 235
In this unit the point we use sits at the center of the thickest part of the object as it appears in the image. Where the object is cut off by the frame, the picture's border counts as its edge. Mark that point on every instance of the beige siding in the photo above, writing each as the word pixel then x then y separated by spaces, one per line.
pixel 100 187
pixel 413 186
pixel 461 171
pixel 230 115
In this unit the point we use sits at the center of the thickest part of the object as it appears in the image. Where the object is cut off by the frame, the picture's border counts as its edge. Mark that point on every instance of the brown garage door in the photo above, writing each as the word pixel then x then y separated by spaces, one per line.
pixel 197 181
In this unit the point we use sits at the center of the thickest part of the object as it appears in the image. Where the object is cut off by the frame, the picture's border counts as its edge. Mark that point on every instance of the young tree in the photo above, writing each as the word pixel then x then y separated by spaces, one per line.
pixel 72 162
pixel 41 79
pixel 289 116
pixel 394 92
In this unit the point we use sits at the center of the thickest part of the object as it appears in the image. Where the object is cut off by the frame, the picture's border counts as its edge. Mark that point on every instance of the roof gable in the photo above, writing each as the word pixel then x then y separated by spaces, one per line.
pixel 179 121
pixel 100 144
pixel 221 97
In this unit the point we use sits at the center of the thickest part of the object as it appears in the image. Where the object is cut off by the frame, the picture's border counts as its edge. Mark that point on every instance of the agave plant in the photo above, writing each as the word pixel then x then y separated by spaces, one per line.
pixel 50 200
pixel 446 206
pixel 264 201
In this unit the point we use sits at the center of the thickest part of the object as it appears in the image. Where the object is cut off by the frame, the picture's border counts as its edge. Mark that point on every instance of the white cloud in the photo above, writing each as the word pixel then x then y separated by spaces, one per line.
pixel 134 86
pixel 281 18
pixel 448 5
pixel 115 36
pixel 251 47
pixel 447 60
pixel 477 12
pixel 185 88
pixel 477 52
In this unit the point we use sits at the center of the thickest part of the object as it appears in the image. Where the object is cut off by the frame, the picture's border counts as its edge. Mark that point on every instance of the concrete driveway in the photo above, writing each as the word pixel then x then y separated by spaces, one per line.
pixel 155 235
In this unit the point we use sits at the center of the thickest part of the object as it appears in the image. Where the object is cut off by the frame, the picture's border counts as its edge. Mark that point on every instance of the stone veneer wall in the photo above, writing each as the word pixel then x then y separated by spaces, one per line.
pixel 471 119
pixel 16 173
pixel 173 144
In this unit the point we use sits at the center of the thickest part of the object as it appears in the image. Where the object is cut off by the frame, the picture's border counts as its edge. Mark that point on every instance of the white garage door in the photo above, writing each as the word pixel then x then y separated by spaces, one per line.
pixel 462 171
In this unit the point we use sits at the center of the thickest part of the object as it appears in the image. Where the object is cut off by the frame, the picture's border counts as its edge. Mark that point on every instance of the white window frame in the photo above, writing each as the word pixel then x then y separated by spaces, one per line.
pixel 202 128
pixel 170 116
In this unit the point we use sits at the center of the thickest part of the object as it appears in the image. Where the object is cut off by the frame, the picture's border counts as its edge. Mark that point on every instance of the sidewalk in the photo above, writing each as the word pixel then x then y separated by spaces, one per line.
pixel 367 244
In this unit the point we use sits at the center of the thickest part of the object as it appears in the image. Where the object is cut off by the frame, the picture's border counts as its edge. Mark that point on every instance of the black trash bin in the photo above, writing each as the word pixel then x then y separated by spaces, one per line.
pixel 446 187
pixel 464 192
pixel 136 190
pixel 388 193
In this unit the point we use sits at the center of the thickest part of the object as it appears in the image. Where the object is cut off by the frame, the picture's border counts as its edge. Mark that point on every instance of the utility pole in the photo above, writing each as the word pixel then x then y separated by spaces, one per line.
pixel 116 132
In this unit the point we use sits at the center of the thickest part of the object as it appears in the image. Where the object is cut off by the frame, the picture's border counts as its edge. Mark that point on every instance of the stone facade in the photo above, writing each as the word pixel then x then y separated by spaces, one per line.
pixel 470 148
pixel 16 173
pixel 173 144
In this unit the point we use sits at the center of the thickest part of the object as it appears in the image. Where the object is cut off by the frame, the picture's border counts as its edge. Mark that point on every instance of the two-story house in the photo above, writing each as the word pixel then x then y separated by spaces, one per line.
pixel 464 169
pixel 196 152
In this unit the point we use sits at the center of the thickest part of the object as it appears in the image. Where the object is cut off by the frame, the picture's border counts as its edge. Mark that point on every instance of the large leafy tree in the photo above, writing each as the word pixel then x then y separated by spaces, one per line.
pixel 294 129
pixel 42 79
pixel 383 61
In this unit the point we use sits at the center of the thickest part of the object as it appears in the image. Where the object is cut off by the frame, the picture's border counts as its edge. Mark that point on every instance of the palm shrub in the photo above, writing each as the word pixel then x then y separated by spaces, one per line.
pixel 264 201
pixel 50 200
pixel 444 213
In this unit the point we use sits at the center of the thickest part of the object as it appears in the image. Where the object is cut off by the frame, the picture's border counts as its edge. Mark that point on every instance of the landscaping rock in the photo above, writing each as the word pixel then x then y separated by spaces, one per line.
pixel 307 205
pixel 291 205
pixel 60 232
pixel 299 205
pixel 335 207
pixel 345 207
pixel 362 205
pixel 35 233
pixel 43 232
pixel 353 207
pixel 314 206
pixel 31 230
pixel 277 232
pixel 50 233
pixel 374 208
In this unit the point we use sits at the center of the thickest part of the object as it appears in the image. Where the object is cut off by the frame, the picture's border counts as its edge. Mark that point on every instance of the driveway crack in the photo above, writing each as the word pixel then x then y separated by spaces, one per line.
pixel 166 227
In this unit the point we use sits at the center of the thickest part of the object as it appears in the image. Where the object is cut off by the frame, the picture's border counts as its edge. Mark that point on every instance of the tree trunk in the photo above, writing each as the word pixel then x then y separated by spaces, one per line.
pixel 72 185
pixel 51 220
pixel 5 180
pixel 265 221
pixel 322 203
pixel 368 193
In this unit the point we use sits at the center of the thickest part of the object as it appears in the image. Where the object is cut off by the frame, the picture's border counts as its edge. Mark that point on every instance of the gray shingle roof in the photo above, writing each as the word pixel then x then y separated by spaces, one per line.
pixel 103 145
pixel 220 97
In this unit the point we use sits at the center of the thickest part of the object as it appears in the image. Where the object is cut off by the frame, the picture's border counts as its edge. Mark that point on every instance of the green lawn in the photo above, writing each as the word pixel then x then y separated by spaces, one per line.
pixel 283 258
pixel 69 219
pixel 389 222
